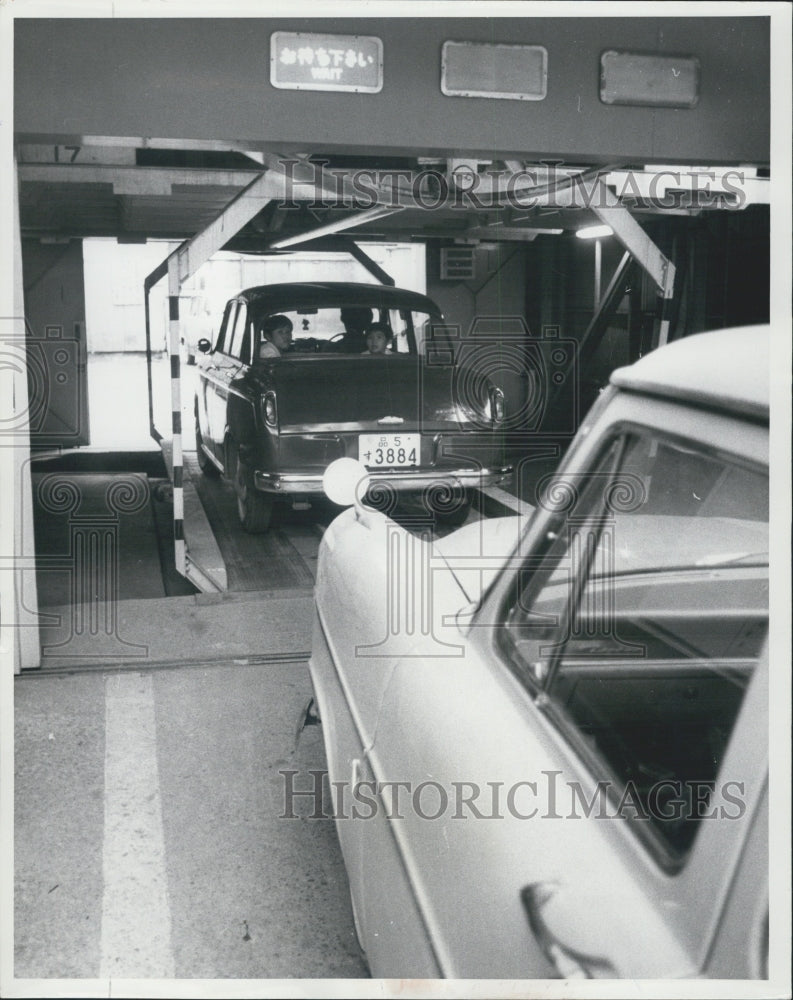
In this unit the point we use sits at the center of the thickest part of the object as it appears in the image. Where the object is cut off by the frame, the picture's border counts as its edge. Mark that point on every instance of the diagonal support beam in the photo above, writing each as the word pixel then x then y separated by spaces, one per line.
pixel 240 210
pixel 348 222
pixel 589 191
pixel 636 241
pixel 595 195
pixel 608 209
pixel 340 187
pixel 358 253
pixel 330 189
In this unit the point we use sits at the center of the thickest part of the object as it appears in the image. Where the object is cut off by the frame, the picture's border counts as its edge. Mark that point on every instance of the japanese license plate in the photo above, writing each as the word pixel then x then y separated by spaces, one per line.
pixel 389 451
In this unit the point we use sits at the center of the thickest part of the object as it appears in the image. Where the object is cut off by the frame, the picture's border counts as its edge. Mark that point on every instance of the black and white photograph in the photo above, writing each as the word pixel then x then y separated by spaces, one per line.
pixel 395 503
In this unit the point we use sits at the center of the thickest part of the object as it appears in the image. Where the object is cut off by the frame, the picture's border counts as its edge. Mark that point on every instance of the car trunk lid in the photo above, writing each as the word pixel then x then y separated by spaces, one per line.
pixel 376 393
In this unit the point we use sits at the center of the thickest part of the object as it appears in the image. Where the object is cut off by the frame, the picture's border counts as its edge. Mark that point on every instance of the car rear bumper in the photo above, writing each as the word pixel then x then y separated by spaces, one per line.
pixel 401 480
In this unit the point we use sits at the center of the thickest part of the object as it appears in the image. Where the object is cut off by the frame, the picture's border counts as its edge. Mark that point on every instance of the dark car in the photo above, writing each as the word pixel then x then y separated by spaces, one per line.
pixel 272 422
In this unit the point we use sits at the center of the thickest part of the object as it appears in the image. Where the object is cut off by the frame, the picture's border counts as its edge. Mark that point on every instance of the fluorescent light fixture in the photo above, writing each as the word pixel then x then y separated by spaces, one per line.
pixel 594 232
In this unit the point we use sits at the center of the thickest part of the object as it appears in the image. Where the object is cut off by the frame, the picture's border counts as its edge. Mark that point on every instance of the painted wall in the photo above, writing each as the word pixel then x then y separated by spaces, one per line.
pixel 114 276
pixel 55 314
pixel 208 79
pixel 499 285
pixel 19 627
pixel 493 301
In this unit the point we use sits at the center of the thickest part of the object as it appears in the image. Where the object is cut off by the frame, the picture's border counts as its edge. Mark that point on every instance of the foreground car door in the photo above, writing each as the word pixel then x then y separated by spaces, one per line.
pixel 580 786
pixel 369 614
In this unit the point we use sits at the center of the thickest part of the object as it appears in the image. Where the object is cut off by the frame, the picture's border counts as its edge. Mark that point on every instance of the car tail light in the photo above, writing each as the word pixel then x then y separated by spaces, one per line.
pixel 270 408
pixel 496 405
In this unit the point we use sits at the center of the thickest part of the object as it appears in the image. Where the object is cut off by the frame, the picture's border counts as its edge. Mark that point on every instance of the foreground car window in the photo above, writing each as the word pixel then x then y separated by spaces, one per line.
pixel 643 624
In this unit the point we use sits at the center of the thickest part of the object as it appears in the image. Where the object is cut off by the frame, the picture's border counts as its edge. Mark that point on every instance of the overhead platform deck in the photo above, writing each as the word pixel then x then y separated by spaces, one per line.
pixel 236 106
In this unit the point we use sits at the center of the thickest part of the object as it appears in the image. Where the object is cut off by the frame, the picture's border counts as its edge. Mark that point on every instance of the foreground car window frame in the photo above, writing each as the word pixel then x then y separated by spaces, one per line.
pixel 532 579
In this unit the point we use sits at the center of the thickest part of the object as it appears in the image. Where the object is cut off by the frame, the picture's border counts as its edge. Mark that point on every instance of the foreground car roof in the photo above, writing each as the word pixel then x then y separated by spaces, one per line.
pixel 723 370
pixel 338 293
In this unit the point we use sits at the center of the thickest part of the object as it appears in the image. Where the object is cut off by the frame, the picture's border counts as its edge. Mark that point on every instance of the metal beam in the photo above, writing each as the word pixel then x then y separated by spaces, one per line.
pixel 735 186
pixel 604 311
pixel 303 181
pixel 328 187
pixel 589 192
pixel 159 272
pixel 133 180
pixel 248 203
pixel 343 185
pixel 595 195
pixel 348 222
pixel 608 209
pixel 359 254
pixel 183 262
pixel 520 234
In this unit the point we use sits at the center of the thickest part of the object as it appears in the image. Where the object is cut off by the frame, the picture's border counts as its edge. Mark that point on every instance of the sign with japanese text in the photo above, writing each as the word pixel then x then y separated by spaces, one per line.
pixel 303 61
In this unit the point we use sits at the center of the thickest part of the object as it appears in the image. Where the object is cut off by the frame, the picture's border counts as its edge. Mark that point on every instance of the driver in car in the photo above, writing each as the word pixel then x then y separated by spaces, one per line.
pixel 356 320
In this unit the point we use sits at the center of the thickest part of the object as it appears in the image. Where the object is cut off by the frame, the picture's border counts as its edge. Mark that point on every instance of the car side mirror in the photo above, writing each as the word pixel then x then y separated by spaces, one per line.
pixel 204 345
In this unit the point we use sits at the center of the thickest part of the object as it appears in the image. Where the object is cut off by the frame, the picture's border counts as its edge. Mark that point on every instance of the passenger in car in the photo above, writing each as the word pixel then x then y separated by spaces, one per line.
pixel 276 336
pixel 356 320
pixel 378 339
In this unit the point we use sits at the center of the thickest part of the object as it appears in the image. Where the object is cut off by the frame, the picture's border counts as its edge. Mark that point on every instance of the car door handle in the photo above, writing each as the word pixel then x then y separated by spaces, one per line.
pixel 569 963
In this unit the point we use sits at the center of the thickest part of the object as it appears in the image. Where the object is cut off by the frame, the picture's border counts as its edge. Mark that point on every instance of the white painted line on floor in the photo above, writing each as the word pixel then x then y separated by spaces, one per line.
pixel 507 499
pixel 136 917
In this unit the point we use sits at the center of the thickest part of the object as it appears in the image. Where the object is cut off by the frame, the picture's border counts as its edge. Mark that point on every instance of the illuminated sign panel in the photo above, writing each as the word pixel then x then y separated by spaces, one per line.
pixel 304 61
pixel 649 80
pixel 481 69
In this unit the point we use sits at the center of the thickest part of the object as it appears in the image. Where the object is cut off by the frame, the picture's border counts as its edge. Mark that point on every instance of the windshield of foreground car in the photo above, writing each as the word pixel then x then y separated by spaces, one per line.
pixel 645 621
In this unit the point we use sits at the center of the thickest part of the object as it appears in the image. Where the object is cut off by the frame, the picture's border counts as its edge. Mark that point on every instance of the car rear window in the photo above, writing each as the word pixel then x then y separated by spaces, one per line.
pixel 320 330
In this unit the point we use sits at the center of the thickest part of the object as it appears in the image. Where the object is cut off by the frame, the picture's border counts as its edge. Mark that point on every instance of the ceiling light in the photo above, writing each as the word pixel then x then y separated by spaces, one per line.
pixel 594 232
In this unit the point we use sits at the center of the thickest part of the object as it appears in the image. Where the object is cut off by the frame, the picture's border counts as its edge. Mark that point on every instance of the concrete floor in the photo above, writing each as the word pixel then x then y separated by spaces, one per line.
pixel 148 751
pixel 148 842
pixel 148 839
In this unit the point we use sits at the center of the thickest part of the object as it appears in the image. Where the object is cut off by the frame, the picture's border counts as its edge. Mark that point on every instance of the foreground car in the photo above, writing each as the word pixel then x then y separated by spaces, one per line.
pixel 273 423
pixel 548 740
